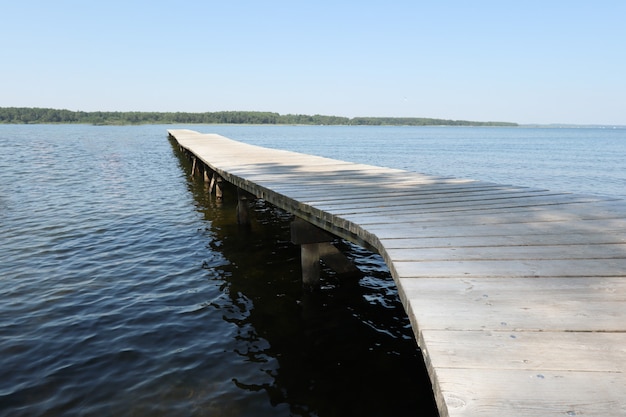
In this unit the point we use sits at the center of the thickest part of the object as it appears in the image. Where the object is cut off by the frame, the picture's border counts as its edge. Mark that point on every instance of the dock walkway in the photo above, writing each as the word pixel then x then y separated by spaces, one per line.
pixel 516 296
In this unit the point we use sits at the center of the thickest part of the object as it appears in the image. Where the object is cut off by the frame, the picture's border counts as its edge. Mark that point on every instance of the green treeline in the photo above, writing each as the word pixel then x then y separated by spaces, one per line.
pixel 27 115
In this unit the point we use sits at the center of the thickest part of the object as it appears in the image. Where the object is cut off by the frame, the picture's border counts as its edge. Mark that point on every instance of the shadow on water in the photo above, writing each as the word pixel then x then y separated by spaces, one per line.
pixel 347 349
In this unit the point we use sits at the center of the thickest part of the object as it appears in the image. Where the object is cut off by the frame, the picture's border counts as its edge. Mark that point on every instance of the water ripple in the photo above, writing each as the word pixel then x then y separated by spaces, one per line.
pixel 128 291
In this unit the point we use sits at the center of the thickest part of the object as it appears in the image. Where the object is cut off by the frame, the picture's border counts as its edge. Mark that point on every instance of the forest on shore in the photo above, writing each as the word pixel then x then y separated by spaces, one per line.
pixel 34 115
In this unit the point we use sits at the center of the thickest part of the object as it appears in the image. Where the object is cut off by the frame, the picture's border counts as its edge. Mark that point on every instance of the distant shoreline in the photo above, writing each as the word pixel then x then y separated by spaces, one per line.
pixel 571 126
pixel 35 115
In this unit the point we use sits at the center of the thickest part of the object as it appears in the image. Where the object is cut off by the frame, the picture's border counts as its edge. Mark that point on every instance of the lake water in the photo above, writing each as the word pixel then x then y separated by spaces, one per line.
pixel 127 290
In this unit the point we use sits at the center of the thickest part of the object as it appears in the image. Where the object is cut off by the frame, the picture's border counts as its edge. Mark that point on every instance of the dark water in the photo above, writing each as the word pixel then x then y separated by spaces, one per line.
pixel 128 291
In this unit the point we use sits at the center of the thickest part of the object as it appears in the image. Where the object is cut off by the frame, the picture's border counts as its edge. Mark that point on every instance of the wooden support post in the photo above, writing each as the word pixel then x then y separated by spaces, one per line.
pixel 315 246
pixel 218 188
pixel 193 167
pixel 310 261
pixel 206 174
pixel 243 213
pixel 213 180
pixel 216 182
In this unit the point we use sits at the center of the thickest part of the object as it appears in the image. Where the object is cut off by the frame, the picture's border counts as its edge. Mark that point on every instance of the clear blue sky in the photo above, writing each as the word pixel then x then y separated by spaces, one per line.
pixel 547 61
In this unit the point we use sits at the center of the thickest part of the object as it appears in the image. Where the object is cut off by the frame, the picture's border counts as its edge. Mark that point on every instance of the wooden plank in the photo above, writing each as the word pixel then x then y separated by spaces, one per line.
pixel 543 372
pixel 527 350
pixel 402 200
pixel 346 192
pixel 459 206
pixel 503 240
pixel 511 268
pixel 507 253
pixel 495 393
pixel 545 213
pixel 587 304
pixel 513 230
pixel 527 373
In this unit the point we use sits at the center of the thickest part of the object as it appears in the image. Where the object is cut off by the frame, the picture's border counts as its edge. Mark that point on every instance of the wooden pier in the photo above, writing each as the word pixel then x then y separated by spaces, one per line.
pixel 516 296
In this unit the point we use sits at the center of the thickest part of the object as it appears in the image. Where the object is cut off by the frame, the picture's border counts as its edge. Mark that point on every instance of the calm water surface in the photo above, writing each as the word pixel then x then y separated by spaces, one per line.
pixel 128 291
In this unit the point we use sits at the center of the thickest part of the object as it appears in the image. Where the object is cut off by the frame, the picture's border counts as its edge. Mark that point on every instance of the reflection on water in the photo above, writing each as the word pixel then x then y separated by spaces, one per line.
pixel 345 350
